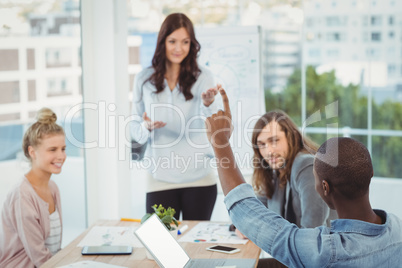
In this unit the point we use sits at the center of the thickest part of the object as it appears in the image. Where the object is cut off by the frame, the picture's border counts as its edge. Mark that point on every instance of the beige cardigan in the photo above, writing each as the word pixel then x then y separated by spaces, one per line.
pixel 25 225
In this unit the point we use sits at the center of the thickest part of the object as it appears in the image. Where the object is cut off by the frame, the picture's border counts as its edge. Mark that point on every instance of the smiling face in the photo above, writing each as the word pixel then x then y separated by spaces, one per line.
pixel 49 155
pixel 177 46
pixel 273 145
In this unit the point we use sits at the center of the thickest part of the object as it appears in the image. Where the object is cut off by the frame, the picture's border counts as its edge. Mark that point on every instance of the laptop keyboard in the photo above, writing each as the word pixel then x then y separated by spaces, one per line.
pixel 205 263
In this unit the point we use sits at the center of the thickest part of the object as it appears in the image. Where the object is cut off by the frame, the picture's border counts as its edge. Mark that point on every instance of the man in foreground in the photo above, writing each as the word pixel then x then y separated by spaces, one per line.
pixel 361 237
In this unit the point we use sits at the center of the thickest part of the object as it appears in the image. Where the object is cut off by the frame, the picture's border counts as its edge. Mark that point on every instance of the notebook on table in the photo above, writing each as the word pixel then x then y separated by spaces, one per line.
pixel 169 254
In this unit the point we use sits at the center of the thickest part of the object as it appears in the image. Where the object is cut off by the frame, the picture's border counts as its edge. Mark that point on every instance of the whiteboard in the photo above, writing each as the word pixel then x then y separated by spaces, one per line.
pixel 233 55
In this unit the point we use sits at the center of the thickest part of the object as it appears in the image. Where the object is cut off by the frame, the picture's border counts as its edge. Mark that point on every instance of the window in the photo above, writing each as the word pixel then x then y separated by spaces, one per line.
pixel 365 36
pixel 376 20
pixel 333 53
pixel 310 36
pixel 35 37
pixel 365 20
pixel 376 37
pixel 373 53
pixel 134 55
pixel 391 69
pixel 391 51
pixel 391 20
pixel 58 86
pixel 391 35
pixel 63 85
pixel 333 21
pixel 10 92
pixel 58 57
pixel 31 59
pixel 334 37
pixel 314 52
pixel 9 60
pixel 310 22
pixel 31 90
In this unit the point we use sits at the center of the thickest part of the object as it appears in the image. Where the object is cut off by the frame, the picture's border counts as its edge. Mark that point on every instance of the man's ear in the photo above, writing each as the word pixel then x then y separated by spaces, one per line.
pixel 325 187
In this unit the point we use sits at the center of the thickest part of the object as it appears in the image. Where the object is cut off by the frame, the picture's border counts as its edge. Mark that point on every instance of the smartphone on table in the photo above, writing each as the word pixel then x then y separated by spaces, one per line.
pixel 223 249
pixel 107 250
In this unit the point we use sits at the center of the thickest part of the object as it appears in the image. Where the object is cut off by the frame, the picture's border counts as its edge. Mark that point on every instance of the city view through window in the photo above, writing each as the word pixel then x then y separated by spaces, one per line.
pixel 40 66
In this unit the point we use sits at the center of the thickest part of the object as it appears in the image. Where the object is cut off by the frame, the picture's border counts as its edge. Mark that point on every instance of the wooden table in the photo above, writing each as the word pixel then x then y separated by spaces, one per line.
pixel 71 253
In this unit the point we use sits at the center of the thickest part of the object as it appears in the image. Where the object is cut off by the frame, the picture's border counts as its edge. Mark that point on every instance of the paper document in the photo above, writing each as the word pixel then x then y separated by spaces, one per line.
pixel 212 232
pixel 90 264
pixel 111 236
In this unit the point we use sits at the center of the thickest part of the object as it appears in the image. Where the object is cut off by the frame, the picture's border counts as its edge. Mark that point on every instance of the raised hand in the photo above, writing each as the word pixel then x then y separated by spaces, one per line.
pixel 151 125
pixel 208 96
pixel 219 125
pixel 219 129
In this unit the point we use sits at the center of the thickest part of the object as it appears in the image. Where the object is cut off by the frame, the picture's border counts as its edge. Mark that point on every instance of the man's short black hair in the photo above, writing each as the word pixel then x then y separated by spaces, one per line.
pixel 346 165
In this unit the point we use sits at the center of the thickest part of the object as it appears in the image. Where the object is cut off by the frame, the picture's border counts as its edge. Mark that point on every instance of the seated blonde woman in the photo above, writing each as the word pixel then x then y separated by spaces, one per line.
pixel 31 222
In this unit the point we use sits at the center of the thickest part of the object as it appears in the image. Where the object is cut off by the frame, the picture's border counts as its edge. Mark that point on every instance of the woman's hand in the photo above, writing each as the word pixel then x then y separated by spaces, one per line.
pixel 151 125
pixel 208 96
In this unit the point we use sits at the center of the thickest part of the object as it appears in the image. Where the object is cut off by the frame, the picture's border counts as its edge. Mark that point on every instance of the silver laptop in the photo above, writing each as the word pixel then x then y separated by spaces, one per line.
pixel 169 254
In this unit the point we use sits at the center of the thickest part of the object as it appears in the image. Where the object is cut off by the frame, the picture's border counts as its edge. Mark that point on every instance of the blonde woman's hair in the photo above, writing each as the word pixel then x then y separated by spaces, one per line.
pixel 45 125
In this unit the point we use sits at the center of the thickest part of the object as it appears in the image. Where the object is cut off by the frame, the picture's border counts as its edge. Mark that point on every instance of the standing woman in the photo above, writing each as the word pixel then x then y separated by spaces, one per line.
pixel 31 223
pixel 170 106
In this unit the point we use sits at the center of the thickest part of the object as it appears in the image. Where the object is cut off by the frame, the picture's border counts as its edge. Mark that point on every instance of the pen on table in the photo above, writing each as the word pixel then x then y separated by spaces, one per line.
pixel 128 219
pixel 182 229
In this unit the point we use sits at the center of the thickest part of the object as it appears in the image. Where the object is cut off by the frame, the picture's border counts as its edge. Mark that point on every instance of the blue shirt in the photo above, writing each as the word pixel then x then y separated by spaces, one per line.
pixel 347 243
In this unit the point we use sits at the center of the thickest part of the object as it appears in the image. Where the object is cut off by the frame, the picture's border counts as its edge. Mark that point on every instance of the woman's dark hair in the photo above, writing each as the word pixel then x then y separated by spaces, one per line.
pixel 189 70
pixel 263 175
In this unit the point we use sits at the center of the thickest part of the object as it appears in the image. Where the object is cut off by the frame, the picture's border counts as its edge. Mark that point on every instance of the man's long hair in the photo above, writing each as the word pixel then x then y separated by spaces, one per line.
pixel 263 174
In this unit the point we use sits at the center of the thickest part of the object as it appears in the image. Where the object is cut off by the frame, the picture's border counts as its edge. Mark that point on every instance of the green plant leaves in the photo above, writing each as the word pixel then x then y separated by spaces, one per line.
pixel 166 216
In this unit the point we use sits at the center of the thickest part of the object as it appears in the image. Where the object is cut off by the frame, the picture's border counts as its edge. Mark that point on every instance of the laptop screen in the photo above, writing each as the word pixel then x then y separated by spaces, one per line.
pixel 161 244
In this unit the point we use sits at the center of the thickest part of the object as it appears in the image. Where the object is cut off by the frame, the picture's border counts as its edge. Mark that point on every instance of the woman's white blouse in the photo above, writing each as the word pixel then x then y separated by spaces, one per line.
pixel 180 151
